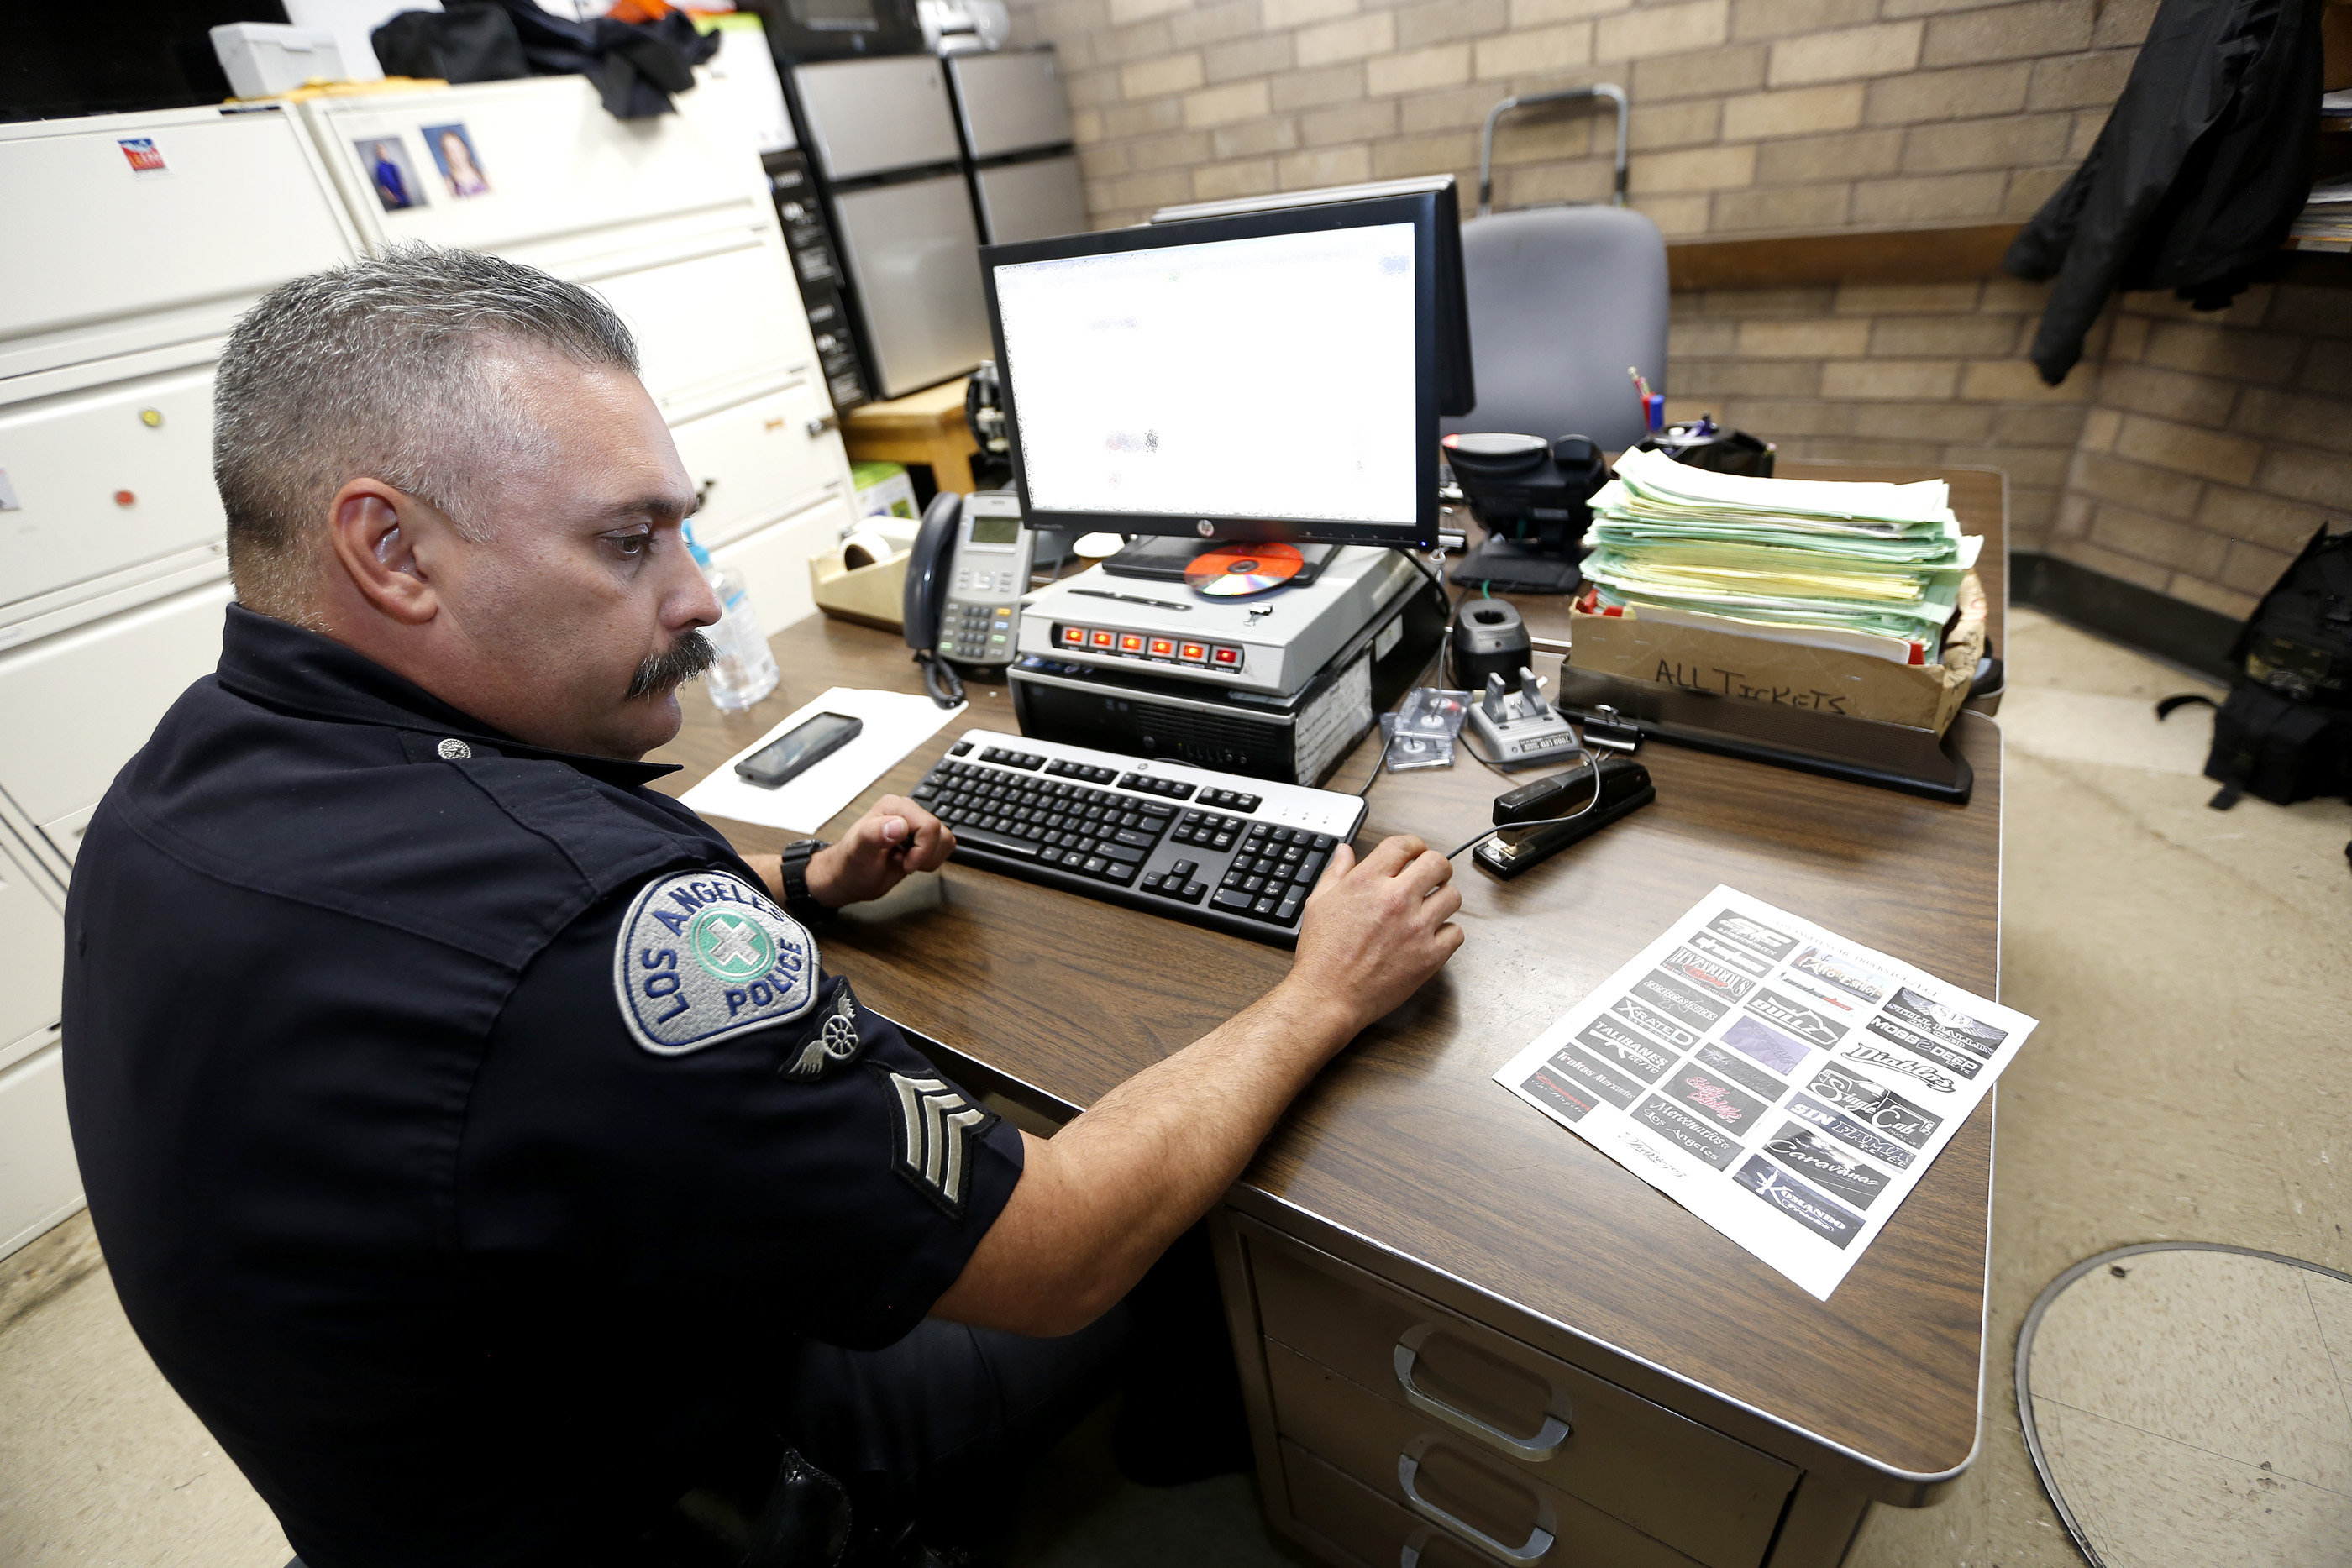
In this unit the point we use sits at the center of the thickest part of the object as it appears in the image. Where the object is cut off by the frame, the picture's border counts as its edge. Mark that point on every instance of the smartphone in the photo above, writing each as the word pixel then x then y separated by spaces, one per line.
pixel 800 749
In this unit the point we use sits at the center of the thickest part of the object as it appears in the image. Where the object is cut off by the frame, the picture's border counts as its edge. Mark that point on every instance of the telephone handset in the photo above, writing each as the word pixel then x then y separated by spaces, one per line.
pixel 965 580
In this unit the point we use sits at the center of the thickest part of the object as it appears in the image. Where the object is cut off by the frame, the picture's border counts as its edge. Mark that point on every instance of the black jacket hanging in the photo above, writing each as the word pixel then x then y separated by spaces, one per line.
pixel 2197 176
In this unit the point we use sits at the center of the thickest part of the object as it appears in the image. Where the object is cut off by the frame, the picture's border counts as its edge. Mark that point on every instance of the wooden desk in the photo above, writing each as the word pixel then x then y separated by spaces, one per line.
pixel 922 427
pixel 1714 1405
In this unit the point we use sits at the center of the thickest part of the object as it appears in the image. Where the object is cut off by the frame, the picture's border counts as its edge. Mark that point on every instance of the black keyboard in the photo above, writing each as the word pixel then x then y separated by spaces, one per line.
pixel 1215 849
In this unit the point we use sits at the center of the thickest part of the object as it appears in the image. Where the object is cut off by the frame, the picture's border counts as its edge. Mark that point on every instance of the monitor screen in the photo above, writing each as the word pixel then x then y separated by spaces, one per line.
pixel 1246 378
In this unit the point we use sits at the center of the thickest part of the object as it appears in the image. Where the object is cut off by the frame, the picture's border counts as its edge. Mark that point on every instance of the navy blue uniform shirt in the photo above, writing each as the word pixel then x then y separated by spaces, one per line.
pixel 471 1137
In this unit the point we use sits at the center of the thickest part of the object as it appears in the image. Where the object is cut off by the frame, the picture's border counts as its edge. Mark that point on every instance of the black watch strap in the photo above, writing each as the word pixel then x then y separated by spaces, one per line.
pixel 799 903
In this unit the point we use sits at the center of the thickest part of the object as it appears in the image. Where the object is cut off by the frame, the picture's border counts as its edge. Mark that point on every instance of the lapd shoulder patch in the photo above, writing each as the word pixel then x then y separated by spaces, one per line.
pixel 831 1038
pixel 704 957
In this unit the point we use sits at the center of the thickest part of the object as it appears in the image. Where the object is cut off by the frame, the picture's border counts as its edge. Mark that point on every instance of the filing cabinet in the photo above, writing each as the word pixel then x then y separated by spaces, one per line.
pixel 1392 1429
pixel 105 479
pixel 671 221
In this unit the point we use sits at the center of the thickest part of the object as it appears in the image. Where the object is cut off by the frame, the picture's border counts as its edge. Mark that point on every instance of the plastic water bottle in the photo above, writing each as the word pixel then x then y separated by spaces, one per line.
pixel 746 669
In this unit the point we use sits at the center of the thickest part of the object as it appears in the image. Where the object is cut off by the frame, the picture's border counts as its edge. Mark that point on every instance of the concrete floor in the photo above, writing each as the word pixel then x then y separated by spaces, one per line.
pixel 2187 1082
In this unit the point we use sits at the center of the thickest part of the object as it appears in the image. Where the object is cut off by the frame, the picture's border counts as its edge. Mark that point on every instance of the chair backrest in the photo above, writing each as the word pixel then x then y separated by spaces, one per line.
pixel 1561 300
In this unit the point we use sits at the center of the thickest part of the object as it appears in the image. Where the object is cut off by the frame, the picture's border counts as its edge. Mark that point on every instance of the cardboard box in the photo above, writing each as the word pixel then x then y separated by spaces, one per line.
pixel 884 490
pixel 1823 680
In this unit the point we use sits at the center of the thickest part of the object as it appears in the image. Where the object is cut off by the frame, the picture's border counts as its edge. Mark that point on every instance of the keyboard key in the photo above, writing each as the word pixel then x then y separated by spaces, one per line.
pixel 1120 871
pixel 1265 906
pixel 1183 871
pixel 1323 843
pixel 1123 853
pixel 958 748
pixel 1003 843
pixel 1232 879
pixel 1140 840
pixel 1226 898
pixel 1221 842
pixel 1194 890
pixel 1288 911
pixel 1094 865
pixel 1312 866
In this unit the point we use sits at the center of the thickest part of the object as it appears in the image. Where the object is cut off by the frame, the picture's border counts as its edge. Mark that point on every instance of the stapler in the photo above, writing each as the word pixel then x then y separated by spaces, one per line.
pixel 1624 786
pixel 1519 726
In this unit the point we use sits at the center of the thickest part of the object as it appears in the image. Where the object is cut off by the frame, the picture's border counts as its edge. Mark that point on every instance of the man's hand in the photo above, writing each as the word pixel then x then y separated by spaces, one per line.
pixel 896 837
pixel 1103 1197
pixel 1374 930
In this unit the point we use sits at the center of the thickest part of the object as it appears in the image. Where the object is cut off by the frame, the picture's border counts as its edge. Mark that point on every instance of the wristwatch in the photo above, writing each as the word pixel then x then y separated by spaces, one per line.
pixel 799 903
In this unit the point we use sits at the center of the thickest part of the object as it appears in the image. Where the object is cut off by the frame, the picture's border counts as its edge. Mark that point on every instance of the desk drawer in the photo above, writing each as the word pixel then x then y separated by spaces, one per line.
pixel 1438 1478
pixel 1706 1494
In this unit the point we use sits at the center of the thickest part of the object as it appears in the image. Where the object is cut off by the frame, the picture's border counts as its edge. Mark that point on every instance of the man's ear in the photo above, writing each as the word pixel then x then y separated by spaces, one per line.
pixel 376 533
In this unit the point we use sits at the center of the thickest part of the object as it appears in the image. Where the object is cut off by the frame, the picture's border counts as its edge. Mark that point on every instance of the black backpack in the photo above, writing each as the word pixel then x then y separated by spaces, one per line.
pixel 2284 732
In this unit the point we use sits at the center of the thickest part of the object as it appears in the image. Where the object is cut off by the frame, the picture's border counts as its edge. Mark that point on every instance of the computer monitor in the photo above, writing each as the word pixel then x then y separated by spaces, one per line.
pixel 1262 376
pixel 1457 389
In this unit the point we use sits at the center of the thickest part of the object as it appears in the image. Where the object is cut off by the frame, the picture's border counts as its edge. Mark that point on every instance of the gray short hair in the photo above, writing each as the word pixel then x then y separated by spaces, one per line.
pixel 384 368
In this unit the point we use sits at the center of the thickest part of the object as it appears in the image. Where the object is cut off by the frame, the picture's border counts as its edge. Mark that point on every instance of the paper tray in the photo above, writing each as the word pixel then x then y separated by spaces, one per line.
pixel 1890 756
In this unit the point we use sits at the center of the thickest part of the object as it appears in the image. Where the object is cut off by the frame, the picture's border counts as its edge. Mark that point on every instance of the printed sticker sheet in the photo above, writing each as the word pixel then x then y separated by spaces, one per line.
pixel 1784 1084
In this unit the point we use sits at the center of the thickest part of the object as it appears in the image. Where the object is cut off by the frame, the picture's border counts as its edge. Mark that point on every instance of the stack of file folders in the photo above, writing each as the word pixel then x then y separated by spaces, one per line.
pixel 1872 568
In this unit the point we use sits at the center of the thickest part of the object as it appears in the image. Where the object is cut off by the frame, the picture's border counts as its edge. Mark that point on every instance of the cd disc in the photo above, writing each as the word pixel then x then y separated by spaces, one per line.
pixel 1230 571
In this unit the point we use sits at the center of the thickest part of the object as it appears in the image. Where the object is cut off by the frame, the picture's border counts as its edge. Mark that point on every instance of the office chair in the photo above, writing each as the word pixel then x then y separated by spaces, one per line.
pixel 1563 301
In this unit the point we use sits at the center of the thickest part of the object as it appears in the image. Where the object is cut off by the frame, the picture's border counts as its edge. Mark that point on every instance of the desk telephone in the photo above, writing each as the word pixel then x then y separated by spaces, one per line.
pixel 965 580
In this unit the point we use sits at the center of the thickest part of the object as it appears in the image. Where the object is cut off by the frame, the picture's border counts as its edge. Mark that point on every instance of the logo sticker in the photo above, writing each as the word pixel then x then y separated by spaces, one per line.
pixel 1597 1077
pixel 1946 1024
pixel 1801 1021
pixel 1718 1104
pixel 1687 1132
pixel 1885 1061
pixel 1656 1022
pixel 1636 1053
pixel 1773 945
pixel 1875 1105
pixel 1740 1071
pixel 1824 964
pixel 1769 1046
pixel 1805 1151
pixel 1851 1132
pixel 935 1129
pixel 1738 957
pixel 1960 1062
pixel 1660 989
pixel 1710 977
pixel 704 957
pixel 1799 1202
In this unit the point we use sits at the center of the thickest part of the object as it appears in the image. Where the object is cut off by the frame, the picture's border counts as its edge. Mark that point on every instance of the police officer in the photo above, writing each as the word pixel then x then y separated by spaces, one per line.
pixel 478 1144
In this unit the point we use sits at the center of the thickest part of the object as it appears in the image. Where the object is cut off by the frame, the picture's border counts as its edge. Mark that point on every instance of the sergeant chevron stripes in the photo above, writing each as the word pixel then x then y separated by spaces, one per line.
pixel 936 1127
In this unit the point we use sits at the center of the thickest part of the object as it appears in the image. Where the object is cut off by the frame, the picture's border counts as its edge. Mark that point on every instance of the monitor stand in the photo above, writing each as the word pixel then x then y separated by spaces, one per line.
pixel 1162 557
pixel 1515 568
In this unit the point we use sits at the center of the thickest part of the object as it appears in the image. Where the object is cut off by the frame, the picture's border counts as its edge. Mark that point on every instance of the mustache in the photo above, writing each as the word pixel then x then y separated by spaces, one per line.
pixel 675 665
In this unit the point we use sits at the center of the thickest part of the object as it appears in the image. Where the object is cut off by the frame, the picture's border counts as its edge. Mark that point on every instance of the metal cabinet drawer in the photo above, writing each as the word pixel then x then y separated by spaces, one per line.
pixel 1443 1479
pixel 757 460
pixel 79 704
pixel 33 934
pixel 714 327
pixel 106 478
pixel 1707 1495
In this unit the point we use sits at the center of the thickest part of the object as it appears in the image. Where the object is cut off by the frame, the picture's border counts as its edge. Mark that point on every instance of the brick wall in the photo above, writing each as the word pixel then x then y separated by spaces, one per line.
pixel 1748 116
pixel 2188 454
pixel 1891 374
pixel 2213 445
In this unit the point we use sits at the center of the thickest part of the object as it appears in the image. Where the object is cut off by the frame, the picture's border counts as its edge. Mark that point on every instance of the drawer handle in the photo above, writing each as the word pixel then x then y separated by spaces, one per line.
pixel 821 423
pixel 1533 1450
pixel 1538 1539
